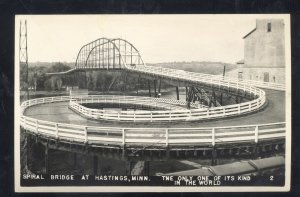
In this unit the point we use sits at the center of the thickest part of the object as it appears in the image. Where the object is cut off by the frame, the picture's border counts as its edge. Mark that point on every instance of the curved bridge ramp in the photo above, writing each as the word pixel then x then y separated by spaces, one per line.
pixel 111 54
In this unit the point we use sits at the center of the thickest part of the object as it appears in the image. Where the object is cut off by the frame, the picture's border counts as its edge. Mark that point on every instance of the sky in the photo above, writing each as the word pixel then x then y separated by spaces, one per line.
pixel 159 38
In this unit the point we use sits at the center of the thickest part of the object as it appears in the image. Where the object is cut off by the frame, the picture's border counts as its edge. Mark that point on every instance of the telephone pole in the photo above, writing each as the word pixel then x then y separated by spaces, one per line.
pixel 23 55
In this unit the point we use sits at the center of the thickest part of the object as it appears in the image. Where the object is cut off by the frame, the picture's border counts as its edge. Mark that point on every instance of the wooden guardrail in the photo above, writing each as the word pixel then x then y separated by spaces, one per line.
pixel 152 102
pixel 159 115
pixel 204 78
pixel 154 136
pixel 260 84
pixel 141 136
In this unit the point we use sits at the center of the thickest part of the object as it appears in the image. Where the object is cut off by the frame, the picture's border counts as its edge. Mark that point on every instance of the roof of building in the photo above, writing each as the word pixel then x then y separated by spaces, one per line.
pixel 249 33
pixel 236 168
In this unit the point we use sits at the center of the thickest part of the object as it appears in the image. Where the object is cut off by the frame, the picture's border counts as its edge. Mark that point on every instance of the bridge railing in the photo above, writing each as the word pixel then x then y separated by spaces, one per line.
pixel 153 136
pixel 260 84
pixel 152 116
pixel 136 100
pixel 215 79
pixel 161 137
pixel 159 115
pixel 199 78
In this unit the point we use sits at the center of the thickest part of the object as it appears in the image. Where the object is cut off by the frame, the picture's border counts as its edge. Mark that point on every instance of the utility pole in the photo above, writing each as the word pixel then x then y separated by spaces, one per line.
pixel 23 54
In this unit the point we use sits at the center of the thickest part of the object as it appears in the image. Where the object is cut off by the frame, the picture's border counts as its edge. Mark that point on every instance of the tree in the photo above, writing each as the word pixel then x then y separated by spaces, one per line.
pixel 56 82
pixel 58 67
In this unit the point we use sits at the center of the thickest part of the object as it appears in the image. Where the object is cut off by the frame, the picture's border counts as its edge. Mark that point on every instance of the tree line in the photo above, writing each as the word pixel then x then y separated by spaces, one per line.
pixel 37 78
pixel 92 80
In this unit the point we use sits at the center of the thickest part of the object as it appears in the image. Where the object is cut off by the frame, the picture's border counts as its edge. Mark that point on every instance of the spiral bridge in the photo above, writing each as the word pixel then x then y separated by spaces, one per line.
pixel 201 104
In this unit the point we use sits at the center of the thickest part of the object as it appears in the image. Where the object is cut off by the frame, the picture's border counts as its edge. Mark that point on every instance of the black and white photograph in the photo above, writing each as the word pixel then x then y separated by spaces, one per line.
pixel 152 103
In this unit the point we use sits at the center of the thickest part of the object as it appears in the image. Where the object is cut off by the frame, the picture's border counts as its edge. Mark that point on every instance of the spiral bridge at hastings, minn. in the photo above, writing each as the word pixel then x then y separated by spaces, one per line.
pixel 198 126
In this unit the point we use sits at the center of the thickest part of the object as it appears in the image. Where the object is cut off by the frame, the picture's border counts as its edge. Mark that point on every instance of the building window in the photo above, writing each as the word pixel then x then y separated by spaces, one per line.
pixel 274 79
pixel 269 27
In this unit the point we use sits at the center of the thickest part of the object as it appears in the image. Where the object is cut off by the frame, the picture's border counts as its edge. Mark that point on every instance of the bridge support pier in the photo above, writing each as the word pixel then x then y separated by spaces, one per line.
pixel 221 98
pixel 154 83
pixel 195 153
pixel 167 152
pixel 213 99
pixel 137 85
pixel 255 151
pixel 187 97
pixel 149 87
pixel 190 96
pixel 186 93
pixel 213 156
pixel 177 92
pixel 123 152
pixel 86 80
pixel 151 153
pixel 47 158
pixel 125 81
pixel 159 86
pixel 177 153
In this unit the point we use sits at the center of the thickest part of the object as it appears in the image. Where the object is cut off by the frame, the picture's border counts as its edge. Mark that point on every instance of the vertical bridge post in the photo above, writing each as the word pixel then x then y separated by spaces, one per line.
pixel 149 86
pixel 47 158
pixel 159 86
pixel 256 134
pixel 56 131
pixel 167 137
pixel 255 155
pixel 154 83
pixel 123 143
pixel 167 143
pixel 177 92
pixel 213 151
pixel 85 135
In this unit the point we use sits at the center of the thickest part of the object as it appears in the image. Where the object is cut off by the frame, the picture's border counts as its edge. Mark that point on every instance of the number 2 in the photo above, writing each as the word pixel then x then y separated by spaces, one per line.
pixel 271 178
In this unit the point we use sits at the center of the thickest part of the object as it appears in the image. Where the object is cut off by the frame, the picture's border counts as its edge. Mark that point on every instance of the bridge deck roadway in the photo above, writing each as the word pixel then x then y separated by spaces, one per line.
pixel 59 112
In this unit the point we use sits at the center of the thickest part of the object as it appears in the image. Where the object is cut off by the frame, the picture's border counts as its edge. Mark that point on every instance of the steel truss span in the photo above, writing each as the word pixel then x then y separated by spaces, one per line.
pixel 119 54
pixel 108 54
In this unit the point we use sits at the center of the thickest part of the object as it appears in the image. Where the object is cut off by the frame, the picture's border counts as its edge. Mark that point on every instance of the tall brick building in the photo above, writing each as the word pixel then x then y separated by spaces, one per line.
pixel 264 53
